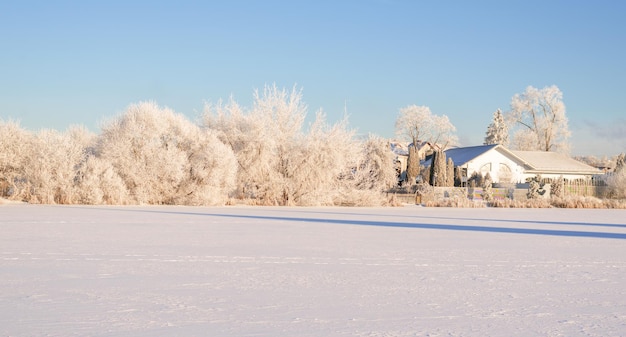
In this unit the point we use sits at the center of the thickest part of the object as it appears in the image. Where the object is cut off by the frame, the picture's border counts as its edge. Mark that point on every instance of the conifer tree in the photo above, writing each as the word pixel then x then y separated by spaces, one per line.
pixel 450 173
pixel 497 131
pixel 413 165
pixel 438 169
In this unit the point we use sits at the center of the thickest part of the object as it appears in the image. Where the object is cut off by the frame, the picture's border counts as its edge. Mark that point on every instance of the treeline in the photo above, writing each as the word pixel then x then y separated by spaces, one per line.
pixel 262 155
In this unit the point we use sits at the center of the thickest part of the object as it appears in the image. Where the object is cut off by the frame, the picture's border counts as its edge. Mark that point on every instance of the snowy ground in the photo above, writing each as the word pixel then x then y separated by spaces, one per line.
pixel 253 271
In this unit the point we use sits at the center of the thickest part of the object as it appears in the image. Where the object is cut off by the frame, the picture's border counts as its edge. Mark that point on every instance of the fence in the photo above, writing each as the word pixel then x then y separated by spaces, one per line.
pixel 519 192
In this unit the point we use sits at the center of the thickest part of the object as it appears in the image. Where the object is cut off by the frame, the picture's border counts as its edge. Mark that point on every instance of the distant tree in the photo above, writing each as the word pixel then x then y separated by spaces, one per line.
pixel 540 123
pixel 497 131
pixel 418 124
pixel 438 169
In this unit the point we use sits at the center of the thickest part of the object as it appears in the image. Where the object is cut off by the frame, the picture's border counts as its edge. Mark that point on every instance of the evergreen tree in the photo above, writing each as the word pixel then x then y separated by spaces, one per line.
pixel 497 131
pixel 450 173
pixel 438 169
pixel 413 165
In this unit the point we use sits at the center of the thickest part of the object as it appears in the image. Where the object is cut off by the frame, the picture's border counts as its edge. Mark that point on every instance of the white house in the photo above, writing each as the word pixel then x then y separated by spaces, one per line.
pixel 506 166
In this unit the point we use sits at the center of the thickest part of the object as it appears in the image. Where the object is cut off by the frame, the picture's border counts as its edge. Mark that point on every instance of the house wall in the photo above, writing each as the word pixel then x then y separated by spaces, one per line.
pixel 500 168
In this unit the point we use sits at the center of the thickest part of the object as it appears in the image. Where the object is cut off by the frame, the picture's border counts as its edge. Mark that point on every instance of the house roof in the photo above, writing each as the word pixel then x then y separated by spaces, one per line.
pixel 461 155
pixel 552 162
pixel 534 161
pixel 401 149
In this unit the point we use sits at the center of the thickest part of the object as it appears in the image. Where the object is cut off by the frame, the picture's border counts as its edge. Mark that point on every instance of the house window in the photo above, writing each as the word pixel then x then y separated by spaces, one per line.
pixel 505 175
pixel 485 169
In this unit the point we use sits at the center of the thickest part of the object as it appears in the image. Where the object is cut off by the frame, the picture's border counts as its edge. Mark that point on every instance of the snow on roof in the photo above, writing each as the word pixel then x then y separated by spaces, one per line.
pixel 554 162
pixel 461 155
pixel 399 149
pixel 535 161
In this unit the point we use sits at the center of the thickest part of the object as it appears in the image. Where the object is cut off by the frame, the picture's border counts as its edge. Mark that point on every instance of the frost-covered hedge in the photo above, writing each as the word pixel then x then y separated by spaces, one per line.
pixel 152 155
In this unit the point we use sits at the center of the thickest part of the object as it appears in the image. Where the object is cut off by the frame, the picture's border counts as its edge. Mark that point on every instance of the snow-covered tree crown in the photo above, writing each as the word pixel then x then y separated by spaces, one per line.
pixel 497 131
pixel 538 120
pixel 417 123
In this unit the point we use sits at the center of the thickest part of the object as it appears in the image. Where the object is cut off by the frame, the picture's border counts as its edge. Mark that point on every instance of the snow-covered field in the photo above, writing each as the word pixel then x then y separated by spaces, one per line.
pixel 257 271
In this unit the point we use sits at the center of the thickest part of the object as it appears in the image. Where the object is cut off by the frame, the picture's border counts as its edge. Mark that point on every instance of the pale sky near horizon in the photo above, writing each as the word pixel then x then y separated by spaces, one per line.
pixel 81 62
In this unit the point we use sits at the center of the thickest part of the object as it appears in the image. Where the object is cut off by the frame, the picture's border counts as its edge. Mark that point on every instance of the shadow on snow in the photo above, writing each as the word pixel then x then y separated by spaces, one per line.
pixel 417 225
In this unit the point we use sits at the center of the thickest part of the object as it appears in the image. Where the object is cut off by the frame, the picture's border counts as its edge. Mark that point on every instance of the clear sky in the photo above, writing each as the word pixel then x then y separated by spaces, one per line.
pixel 81 62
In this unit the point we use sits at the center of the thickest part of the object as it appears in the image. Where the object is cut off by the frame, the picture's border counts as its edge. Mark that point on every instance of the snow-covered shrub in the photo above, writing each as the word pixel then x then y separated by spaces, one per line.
pixel 617 184
pixel 51 164
pixel 14 148
pixel 557 187
pixel 535 187
pixel 165 159
pixel 487 188
pixel 97 182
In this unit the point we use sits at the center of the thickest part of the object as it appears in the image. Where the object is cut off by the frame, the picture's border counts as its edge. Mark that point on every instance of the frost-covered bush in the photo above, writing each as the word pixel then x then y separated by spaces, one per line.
pixel 487 188
pixel 557 187
pixel 14 148
pixel 162 158
pixel 97 182
pixel 51 164
pixel 535 187
pixel 617 184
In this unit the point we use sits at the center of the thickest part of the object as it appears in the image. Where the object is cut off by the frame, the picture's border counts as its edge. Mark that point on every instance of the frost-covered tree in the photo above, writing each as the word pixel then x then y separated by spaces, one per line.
pixel 14 152
pixel 497 131
pixel 165 159
pixel 413 165
pixel 375 165
pixel 450 173
pixel 52 162
pixel 438 169
pixel 283 163
pixel 262 139
pixel 417 124
pixel 539 120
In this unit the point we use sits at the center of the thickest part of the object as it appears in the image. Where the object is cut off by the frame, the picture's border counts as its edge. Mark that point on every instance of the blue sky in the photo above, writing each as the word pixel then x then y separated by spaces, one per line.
pixel 81 62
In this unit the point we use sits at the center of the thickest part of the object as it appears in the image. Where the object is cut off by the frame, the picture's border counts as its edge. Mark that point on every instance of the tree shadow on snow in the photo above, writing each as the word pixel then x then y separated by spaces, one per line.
pixel 416 225
pixel 480 219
